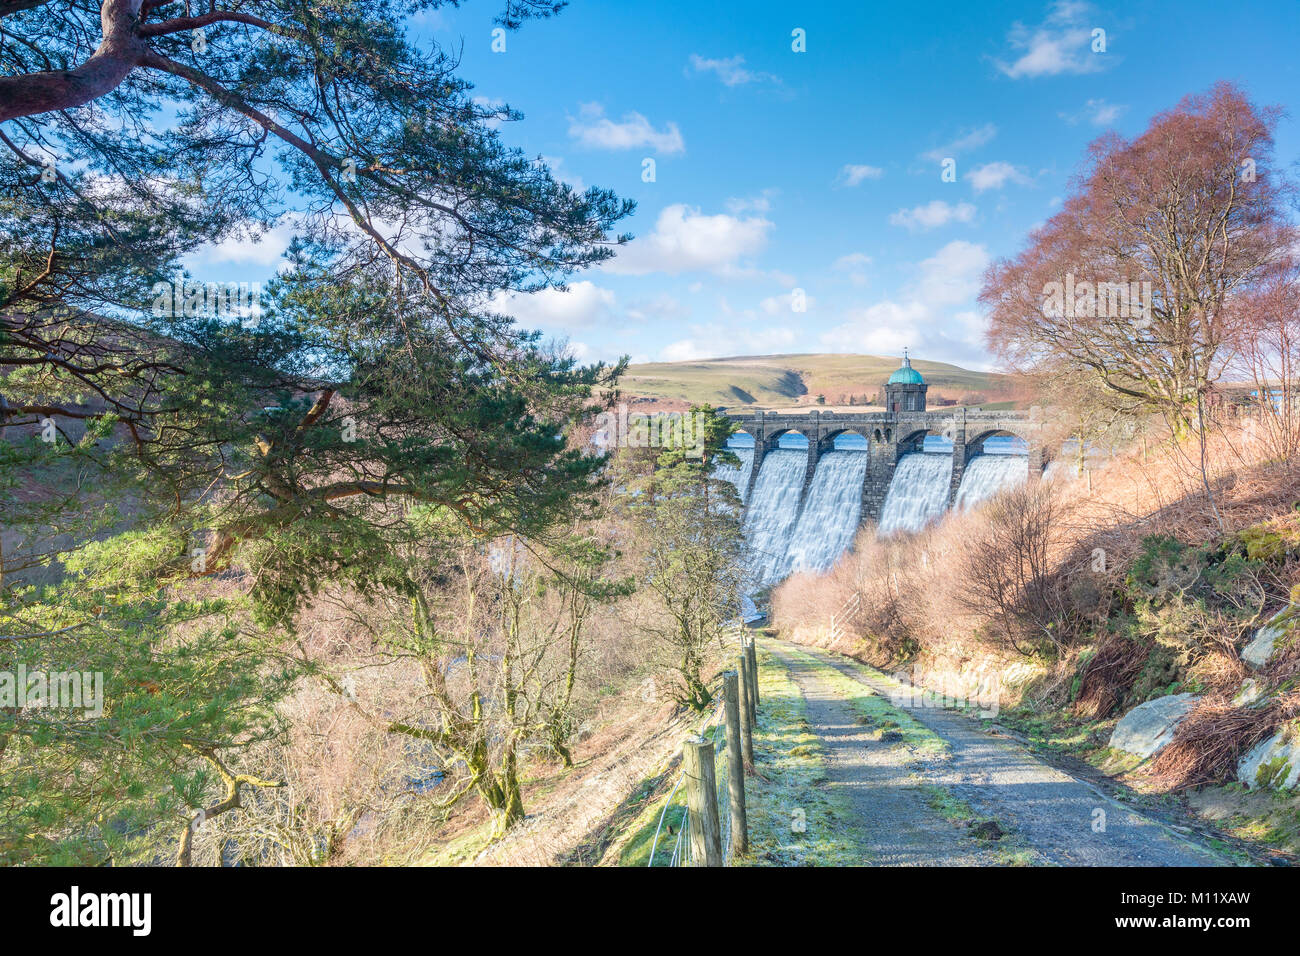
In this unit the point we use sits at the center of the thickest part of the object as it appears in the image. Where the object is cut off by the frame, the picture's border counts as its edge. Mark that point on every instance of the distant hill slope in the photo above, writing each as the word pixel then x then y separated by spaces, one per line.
pixel 784 380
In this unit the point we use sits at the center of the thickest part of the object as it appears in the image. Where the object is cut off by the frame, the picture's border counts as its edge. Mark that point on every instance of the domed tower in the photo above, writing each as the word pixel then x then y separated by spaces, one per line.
pixel 905 390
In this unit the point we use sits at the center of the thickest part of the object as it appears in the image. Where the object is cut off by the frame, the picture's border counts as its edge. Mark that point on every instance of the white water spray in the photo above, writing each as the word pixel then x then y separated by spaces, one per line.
pixel 918 494
pixel 829 519
pixel 771 512
pixel 986 475
pixel 738 475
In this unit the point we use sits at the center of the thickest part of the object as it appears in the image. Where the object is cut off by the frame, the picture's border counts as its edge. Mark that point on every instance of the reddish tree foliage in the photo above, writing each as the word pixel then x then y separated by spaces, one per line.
pixel 1268 356
pixel 1132 281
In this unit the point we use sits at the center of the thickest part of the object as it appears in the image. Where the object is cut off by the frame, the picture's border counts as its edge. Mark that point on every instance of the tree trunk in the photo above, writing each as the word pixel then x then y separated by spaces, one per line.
pixel 117 55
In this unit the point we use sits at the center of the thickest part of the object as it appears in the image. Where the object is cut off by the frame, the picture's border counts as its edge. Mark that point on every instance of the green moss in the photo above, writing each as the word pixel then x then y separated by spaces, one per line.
pixel 946 804
pixel 636 852
pixel 1273 773
pixel 1270 540
pixel 793 819
pixel 875 711
pixel 1013 857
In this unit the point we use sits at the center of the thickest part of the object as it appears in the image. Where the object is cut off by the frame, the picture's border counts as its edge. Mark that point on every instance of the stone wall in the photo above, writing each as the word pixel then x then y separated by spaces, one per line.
pixel 898 434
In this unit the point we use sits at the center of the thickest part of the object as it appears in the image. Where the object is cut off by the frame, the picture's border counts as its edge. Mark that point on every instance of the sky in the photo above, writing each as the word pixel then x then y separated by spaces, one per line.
pixel 794 200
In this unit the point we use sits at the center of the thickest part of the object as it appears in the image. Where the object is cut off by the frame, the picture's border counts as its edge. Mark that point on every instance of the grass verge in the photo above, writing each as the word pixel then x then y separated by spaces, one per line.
pixel 794 820
pixel 888 723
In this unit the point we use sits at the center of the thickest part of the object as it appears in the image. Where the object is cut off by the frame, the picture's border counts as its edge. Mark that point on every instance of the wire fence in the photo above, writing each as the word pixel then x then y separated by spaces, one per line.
pixel 681 851
pixel 739 713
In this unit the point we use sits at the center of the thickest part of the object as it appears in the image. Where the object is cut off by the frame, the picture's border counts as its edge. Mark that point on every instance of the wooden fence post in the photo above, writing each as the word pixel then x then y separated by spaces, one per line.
pixel 753 671
pixel 746 712
pixel 753 689
pixel 702 802
pixel 735 767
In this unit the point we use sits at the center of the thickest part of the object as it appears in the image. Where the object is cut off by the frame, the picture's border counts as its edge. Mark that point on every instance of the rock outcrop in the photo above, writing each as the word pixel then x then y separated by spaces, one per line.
pixel 1273 763
pixel 1264 643
pixel 1147 728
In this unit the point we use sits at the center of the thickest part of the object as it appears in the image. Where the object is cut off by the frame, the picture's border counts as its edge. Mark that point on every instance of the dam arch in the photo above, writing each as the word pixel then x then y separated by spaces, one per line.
pixel 891 435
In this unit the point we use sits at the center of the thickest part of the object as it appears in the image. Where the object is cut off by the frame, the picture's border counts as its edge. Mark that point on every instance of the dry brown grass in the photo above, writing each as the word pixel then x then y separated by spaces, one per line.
pixel 925 599
pixel 1212 739
pixel 1104 678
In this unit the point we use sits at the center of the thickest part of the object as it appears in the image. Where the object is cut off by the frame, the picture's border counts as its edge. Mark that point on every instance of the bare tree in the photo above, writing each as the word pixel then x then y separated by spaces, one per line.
pixel 1269 354
pixel 1132 282
pixel 1009 569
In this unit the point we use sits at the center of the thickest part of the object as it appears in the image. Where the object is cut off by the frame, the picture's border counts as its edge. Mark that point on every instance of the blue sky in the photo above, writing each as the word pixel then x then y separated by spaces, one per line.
pixel 777 171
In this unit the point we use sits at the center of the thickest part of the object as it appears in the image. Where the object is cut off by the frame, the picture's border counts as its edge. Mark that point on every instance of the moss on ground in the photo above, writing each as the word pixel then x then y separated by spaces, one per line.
pixel 663 800
pixel 889 723
pixel 636 852
pixel 794 820
pixel 462 848
pixel 946 804
pixel 1266 818
pixel 1010 850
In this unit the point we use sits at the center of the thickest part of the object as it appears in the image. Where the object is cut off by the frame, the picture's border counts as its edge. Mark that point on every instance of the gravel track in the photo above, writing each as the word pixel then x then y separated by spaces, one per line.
pixel 1044 810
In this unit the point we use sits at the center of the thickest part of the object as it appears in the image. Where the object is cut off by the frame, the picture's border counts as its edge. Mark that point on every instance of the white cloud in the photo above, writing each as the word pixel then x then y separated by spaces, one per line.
pixel 784 304
pixel 760 203
pixel 854 175
pixel 731 70
pixel 923 317
pixel 685 350
pixel 593 129
pixel 1062 44
pixel 663 306
pixel 265 250
pixel 582 305
pixel 560 171
pixel 995 176
pixel 855 264
pixel 952 275
pixel 716 341
pixel 1097 112
pixel 494 104
pixel 933 315
pixel 972 139
pixel 684 240
pixel 885 328
pixel 932 215
pixel 430 19
pixel 588 354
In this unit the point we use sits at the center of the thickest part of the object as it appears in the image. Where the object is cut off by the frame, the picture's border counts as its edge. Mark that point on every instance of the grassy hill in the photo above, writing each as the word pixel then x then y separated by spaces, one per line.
pixel 779 381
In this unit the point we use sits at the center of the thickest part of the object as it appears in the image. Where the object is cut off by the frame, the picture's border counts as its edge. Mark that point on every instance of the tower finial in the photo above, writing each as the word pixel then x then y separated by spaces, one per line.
pixel 907 362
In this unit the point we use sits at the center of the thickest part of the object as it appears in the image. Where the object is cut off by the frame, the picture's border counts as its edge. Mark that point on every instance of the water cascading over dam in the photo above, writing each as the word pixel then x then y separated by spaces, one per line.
pixel 771 512
pixel 986 475
pixel 789 529
pixel 829 519
pixel 918 494
pixel 814 475
pixel 738 475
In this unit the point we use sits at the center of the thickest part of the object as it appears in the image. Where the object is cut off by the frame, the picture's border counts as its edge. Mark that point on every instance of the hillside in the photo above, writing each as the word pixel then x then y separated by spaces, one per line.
pixel 783 380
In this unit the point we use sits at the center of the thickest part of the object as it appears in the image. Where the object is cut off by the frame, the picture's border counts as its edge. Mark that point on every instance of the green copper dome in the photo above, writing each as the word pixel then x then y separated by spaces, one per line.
pixel 906 375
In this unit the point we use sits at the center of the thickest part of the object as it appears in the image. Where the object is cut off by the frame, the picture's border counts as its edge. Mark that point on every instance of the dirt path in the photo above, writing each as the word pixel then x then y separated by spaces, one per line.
pixel 893 821
pixel 1049 816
